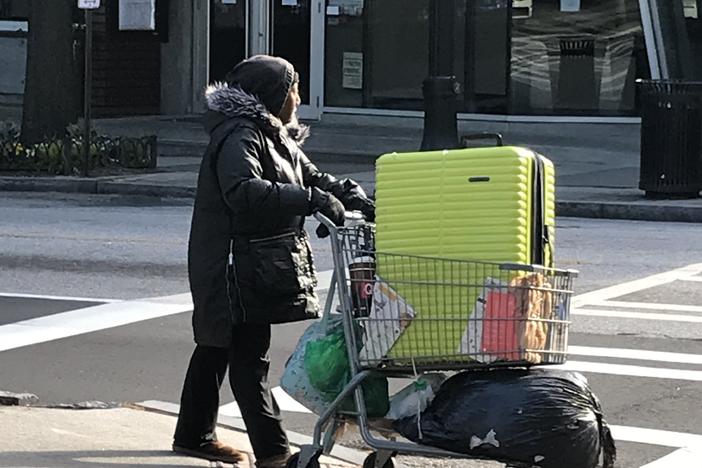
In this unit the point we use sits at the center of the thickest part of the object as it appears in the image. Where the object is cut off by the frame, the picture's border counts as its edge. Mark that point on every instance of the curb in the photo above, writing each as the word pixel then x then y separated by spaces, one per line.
pixel 17 399
pixel 565 208
pixel 187 148
pixel 634 212
pixel 95 187
pixel 32 184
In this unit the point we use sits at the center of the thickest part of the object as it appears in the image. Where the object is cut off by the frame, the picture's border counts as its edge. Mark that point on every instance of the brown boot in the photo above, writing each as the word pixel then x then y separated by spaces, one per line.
pixel 213 451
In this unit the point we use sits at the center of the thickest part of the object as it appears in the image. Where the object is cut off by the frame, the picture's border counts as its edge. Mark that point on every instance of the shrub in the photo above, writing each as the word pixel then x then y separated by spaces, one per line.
pixel 64 155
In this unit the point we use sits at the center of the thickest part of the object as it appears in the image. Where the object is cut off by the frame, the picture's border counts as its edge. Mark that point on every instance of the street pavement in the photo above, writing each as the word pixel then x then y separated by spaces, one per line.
pixel 108 320
pixel 649 382
pixel 94 304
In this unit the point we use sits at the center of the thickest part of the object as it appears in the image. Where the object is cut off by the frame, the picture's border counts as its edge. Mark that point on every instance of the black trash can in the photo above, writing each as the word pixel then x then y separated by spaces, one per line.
pixel 577 86
pixel 671 138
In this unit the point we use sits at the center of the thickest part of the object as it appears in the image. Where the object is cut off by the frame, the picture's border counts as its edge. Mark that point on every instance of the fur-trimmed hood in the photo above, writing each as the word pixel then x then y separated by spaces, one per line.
pixel 232 101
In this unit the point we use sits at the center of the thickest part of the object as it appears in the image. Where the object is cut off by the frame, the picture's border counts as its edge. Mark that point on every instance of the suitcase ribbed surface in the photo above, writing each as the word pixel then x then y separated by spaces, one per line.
pixel 471 204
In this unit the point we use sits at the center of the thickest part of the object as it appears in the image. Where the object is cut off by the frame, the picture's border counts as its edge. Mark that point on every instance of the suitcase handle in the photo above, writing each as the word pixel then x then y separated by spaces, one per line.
pixel 482 136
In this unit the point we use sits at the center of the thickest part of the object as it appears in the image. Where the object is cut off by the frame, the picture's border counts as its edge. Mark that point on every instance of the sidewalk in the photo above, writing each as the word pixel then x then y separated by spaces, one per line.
pixel 35 437
pixel 596 164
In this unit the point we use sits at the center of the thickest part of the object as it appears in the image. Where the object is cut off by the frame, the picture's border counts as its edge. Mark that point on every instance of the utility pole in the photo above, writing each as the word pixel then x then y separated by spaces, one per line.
pixel 88 90
pixel 441 89
pixel 87 6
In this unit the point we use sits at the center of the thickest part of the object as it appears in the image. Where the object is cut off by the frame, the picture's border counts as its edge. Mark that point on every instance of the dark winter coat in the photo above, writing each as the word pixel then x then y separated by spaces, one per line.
pixel 249 258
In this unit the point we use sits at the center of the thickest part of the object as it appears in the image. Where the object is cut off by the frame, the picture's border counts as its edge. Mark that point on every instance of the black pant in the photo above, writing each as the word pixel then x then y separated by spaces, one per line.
pixel 248 376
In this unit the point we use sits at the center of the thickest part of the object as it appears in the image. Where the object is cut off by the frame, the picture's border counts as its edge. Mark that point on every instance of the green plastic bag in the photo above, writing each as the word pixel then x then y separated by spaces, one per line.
pixel 327 366
pixel 376 396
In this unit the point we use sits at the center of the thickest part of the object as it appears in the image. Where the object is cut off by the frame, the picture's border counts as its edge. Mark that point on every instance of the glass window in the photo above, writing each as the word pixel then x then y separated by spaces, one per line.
pixel 487 56
pixel 14 9
pixel 525 57
pixel 344 53
pixel 376 53
pixel 572 57
pixel 693 21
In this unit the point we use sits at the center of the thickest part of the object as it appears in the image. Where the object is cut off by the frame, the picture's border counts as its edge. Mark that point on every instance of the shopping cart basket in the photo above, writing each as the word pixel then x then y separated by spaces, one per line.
pixel 405 314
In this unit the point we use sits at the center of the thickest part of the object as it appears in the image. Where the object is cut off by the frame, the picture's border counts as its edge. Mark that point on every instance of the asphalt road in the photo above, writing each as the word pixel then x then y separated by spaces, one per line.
pixel 62 253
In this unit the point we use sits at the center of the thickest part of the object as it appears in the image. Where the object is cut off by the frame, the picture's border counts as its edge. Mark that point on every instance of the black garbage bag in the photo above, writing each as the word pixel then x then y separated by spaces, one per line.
pixel 544 418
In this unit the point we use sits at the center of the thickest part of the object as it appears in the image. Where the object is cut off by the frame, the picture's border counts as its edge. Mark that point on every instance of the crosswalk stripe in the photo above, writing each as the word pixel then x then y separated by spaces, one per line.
pixel 637 315
pixel 682 458
pixel 623 289
pixel 286 401
pixel 78 322
pixel 110 314
pixel 59 298
pixel 636 354
pixel 647 306
pixel 697 279
pixel 656 437
pixel 631 371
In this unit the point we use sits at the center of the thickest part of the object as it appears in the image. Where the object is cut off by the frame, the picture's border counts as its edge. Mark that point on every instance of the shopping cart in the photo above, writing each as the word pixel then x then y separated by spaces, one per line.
pixel 403 315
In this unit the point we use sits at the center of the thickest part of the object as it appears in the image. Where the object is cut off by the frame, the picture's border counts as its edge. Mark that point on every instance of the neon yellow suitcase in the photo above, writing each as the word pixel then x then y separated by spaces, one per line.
pixel 492 204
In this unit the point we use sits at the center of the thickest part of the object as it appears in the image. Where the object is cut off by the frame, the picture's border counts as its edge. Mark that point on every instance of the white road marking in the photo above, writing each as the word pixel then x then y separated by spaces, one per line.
pixel 647 306
pixel 324 279
pixel 285 403
pixel 100 317
pixel 59 298
pixel 231 409
pixel 288 403
pixel 631 371
pixel 697 279
pixel 681 458
pixel 90 319
pixel 656 437
pixel 637 315
pixel 637 285
pixel 636 354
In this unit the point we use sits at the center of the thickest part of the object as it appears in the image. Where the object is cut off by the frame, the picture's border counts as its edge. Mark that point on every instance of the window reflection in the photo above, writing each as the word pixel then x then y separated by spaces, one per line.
pixel 538 57
pixel 576 58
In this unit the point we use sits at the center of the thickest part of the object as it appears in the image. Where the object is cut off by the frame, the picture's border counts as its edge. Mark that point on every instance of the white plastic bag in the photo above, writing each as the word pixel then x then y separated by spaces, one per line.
pixel 413 399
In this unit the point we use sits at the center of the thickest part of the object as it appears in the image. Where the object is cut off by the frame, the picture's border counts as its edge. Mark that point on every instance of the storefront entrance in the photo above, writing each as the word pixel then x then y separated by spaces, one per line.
pixel 241 28
pixel 513 57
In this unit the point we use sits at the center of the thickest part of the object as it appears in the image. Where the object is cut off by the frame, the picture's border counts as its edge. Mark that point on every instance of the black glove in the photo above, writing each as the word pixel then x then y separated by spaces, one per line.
pixel 329 206
pixel 368 210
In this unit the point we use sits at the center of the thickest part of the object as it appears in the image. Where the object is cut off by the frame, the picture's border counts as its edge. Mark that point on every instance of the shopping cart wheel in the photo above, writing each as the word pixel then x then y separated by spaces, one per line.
pixel 370 460
pixel 295 459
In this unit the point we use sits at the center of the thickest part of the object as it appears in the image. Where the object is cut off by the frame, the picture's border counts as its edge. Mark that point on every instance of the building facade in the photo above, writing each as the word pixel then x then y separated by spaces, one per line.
pixel 514 58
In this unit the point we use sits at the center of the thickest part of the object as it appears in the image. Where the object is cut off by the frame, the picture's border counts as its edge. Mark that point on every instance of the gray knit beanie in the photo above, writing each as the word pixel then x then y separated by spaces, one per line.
pixel 270 78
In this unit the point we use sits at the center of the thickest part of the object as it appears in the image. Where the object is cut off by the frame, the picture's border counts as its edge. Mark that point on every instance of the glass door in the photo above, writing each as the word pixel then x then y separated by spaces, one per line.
pixel 228 20
pixel 297 34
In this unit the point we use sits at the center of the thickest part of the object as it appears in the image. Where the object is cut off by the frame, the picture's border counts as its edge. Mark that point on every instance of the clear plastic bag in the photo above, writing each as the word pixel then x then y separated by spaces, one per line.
pixel 415 398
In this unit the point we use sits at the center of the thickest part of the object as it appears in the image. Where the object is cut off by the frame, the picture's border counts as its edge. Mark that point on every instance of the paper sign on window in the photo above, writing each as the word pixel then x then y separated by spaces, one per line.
pixel 570 6
pixel 137 15
pixel 352 77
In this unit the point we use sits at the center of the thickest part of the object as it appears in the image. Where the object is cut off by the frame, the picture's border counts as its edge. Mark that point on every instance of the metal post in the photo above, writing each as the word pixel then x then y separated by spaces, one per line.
pixel 87 88
pixel 441 89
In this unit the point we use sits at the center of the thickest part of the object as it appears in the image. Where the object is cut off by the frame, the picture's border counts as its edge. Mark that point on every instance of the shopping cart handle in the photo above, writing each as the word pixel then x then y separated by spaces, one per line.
pixel 350 216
